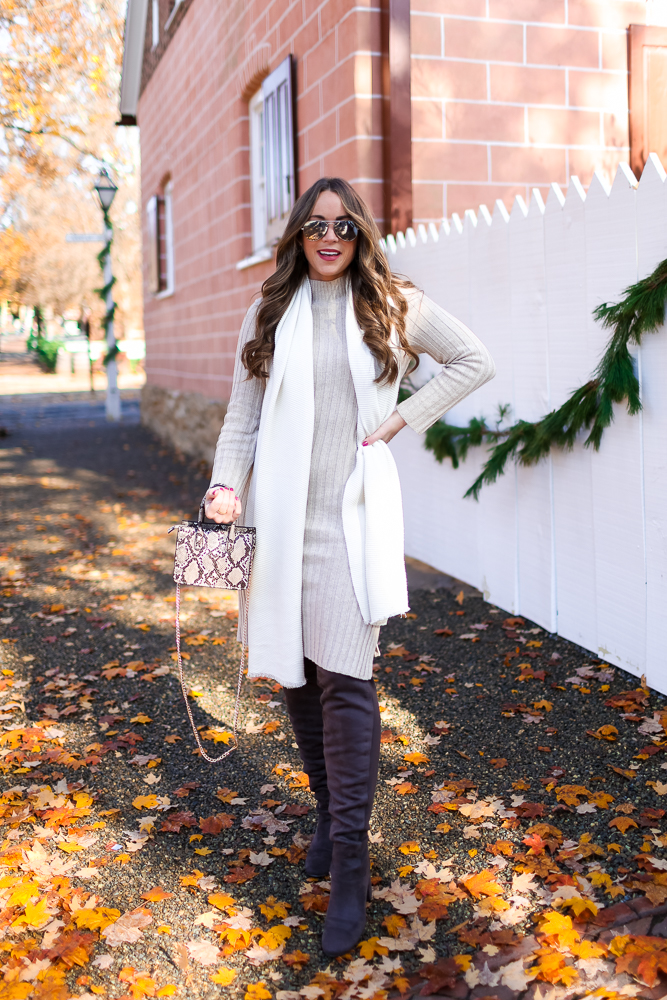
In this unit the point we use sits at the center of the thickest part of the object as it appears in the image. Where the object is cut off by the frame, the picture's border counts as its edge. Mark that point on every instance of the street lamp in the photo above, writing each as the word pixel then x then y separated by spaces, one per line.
pixel 106 191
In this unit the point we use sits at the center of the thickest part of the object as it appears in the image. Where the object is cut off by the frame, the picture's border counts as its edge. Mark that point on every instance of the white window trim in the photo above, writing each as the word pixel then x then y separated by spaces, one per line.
pixel 172 15
pixel 263 135
pixel 168 242
pixel 155 23
pixel 257 178
pixel 153 255
pixel 258 257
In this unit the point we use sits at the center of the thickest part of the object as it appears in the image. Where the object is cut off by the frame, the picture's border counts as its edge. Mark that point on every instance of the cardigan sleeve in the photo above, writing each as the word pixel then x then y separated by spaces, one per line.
pixel 466 363
pixel 235 450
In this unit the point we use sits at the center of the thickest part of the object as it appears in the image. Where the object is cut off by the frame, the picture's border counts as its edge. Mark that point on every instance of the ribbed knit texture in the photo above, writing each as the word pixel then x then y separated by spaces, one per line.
pixel 335 636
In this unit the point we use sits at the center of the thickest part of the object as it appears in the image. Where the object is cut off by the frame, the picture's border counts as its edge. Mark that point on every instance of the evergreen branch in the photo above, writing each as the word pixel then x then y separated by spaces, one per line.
pixel 589 408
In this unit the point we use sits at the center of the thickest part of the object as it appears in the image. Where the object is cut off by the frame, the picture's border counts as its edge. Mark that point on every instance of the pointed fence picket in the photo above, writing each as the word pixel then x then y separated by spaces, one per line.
pixel 577 543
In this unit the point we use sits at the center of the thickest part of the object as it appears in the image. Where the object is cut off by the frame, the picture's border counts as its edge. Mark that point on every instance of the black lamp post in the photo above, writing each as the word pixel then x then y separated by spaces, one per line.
pixel 106 192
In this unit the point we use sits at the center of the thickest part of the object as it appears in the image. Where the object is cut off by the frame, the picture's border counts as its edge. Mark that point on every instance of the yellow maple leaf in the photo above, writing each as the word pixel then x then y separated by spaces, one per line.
pixel 223 977
pixel 35 914
pixel 543 705
pixel 406 788
pixel 192 879
pixel 405 870
pixel 221 900
pixel 218 737
pixel 96 918
pixel 271 908
pixel 463 962
pixel 257 991
pixel 599 878
pixel 22 892
pixel 203 851
pixel 163 929
pixel 368 949
pixel 145 802
pixel 443 827
pixel 416 758
pixel 589 949
pixel 409 847
pixel 70 848
pixel 275 936
pixel 122 859
pixel 558 925
pixel 580 906
pixel 601 799
pixel 143 719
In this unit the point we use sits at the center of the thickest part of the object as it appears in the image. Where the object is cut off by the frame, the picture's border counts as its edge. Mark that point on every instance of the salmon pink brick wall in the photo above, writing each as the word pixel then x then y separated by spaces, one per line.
pixel 508 95
pixel 194 131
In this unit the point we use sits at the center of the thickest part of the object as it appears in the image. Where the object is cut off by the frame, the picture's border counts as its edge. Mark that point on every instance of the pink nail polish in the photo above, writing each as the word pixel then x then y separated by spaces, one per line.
pixel 364 443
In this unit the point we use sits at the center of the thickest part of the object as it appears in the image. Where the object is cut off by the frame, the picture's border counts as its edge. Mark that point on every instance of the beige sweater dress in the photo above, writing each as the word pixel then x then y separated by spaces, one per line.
pixel 335 636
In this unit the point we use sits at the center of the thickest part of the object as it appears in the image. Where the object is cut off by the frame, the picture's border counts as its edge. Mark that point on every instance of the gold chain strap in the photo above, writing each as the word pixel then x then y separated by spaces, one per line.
pixel 244 646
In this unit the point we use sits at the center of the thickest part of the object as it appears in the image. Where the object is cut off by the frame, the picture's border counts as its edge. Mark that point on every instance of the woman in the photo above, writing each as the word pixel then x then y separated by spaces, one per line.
pixel 304 448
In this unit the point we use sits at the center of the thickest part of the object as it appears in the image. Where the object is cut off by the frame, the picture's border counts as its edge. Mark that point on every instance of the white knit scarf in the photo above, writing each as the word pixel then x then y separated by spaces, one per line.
pixel 372 510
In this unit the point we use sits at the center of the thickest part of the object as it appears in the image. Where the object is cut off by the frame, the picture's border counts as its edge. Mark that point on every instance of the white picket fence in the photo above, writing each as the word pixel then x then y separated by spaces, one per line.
pixel 577 543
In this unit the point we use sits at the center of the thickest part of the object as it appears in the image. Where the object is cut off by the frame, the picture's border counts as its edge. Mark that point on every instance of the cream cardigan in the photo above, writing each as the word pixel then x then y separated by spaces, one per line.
pixel 340 640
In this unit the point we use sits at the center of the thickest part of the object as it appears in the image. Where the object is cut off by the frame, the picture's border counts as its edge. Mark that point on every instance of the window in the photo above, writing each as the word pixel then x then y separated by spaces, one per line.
pixel 161 243
pixel 278 148
pixel 272 172
pixel 648 86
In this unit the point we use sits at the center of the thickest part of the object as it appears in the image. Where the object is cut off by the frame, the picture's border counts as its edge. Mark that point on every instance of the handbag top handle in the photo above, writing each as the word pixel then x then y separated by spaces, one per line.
pixel 200 521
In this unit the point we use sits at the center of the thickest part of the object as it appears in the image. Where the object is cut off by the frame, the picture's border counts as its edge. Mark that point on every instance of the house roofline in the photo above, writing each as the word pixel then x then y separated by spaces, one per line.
pixel 133 57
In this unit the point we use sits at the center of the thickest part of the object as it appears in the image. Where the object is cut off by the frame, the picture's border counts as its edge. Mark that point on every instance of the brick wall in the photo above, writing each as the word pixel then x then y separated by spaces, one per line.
pixel 194 129
pixel 508 95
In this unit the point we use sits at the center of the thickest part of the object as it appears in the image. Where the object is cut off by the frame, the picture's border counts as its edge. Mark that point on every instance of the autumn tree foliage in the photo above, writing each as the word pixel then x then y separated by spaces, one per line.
pixel 60 71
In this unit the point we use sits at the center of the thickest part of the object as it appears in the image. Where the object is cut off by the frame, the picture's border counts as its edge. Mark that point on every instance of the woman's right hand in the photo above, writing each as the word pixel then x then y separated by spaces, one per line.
pixel 222 505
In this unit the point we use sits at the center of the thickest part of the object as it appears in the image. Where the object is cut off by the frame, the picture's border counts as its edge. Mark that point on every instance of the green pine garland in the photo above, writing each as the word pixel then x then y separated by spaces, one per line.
pixel 110 311
pixel 590 408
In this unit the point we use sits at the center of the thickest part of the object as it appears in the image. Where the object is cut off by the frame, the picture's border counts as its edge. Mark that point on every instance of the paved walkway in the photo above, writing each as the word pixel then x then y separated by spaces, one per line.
pixel 517 836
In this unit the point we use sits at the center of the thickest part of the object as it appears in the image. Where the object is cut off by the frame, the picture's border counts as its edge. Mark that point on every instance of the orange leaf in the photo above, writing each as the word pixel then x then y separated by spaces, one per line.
pixel 156 894
pixel 623 823
pixel 406 788
pixel 482 884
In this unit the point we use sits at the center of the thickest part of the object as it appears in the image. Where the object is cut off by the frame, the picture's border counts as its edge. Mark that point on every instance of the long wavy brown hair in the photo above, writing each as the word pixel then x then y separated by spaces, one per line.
pixel 379 303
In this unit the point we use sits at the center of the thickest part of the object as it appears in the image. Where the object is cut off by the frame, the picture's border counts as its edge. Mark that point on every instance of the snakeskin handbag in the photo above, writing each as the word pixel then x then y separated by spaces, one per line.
pixel 213 555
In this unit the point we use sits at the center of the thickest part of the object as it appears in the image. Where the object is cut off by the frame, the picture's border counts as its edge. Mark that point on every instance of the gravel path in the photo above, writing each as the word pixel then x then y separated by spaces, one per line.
pixel 506 752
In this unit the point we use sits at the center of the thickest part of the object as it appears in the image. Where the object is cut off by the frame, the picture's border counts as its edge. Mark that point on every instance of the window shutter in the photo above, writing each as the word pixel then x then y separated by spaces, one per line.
pixel 278 148
pixel 153 246
pixel 648 80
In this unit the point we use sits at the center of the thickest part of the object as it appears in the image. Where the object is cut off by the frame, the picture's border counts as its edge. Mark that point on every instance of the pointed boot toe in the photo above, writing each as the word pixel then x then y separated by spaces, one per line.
pixel 345 919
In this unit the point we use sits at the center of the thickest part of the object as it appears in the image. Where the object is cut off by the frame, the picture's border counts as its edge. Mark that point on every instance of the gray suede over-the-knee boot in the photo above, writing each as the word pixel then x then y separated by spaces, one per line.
pixel 351 750
pixel 305 712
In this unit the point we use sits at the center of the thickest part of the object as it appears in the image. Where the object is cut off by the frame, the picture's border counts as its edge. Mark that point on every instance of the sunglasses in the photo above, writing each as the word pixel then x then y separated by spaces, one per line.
pixel 317 229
